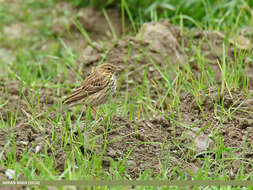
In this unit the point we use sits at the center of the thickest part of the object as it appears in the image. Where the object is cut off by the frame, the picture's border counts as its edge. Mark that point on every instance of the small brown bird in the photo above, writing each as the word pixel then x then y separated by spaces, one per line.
pixel 96 88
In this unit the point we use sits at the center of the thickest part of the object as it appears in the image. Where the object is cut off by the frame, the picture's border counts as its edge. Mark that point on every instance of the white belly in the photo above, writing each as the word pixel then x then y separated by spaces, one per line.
pixel 114 86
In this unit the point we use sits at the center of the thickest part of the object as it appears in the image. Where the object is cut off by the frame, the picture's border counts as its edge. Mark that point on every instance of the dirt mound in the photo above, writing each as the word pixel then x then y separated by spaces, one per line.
pixel 162 44
pixel 159 38
pixel 155 45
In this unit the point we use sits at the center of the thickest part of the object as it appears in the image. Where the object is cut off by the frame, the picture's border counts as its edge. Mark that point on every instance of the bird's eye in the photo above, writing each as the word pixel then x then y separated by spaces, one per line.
pixel 108 68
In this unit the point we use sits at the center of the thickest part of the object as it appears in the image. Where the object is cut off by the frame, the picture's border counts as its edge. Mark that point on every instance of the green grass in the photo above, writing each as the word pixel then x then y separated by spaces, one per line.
pixel 37 69
pixel 213 15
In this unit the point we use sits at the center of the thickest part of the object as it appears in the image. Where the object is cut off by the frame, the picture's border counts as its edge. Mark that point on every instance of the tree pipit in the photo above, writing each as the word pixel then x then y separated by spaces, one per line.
pixel 96 88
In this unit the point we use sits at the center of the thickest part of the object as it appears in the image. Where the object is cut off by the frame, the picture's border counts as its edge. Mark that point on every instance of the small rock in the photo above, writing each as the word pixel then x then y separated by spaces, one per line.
pixel 201 143
pixel 9 173
pixel 37 149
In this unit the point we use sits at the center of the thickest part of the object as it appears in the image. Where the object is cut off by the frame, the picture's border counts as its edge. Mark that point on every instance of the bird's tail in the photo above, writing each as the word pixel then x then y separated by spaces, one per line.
pixel 76 96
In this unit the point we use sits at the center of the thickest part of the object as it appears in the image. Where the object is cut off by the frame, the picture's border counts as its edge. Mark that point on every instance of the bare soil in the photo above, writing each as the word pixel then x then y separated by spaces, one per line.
pixel 146 143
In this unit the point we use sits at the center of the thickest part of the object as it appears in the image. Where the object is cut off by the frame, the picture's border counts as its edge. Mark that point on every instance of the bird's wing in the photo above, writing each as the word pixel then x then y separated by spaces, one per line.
pixel 92 84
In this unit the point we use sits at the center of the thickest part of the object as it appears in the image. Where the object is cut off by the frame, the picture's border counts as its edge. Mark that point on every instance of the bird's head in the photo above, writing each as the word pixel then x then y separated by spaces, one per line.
pixel 108 68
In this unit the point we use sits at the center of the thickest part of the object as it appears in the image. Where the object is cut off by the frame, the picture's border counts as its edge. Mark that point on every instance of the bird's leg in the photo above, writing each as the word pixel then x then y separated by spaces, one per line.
pixel 94 110
pixel 84 110
pixel 100 116
pixel 92 115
